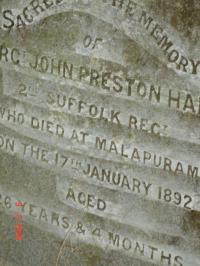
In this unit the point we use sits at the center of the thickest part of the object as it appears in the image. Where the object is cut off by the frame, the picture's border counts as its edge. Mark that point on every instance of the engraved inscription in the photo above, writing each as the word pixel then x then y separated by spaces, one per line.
pixel 158 35
pixel 109 82
pixel 114 240
pixel 28 14
pixel 99 132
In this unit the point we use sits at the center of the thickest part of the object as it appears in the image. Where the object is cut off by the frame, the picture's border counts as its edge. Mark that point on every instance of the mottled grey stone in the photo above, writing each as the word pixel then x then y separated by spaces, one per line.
pixel 99 132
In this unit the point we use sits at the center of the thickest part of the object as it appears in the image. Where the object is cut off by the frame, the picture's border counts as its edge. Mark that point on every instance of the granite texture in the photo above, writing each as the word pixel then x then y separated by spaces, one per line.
pixel 99 133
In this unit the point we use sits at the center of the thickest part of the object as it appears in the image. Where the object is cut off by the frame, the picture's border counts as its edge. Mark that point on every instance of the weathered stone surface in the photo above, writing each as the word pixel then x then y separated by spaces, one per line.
pixel 99 132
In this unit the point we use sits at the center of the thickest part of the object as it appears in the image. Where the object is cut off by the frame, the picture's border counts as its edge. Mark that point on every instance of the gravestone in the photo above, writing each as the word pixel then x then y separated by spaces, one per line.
pixel 99 132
